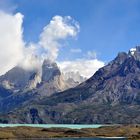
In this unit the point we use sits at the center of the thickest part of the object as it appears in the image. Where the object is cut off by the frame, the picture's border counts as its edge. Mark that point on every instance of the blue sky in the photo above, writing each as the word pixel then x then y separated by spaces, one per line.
pixel 106 26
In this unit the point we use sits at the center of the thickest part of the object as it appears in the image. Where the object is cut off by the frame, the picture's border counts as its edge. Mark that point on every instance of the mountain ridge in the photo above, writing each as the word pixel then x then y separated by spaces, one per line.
pixel 111 95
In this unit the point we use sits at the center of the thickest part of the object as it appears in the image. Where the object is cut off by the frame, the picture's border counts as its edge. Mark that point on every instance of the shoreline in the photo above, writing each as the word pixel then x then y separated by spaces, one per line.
pixel 132 132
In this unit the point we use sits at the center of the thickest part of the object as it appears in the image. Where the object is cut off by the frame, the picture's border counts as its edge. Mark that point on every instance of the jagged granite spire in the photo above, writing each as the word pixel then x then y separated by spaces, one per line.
pixel 49 70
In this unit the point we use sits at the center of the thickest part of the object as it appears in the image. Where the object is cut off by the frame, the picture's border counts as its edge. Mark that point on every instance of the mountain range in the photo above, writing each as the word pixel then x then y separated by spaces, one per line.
pixel 110 96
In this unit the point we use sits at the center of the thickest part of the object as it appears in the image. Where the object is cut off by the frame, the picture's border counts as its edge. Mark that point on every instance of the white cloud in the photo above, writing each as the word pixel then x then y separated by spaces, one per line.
pixel 85 67
pixel 76 50
pixel 12 47
pixel 14 52
pixel 58 29
pixel 31 60
pixel 11 43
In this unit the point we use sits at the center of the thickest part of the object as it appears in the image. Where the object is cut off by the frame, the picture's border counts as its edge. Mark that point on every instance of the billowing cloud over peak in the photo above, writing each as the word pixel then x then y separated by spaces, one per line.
pixel 14 50
pixel 59 28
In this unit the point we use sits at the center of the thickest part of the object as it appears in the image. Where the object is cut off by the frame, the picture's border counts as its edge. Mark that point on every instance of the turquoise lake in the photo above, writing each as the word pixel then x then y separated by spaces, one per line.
pixel 75 126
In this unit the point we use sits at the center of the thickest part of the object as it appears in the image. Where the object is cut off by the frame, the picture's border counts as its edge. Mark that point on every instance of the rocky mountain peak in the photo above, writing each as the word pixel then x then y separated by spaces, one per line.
pixel 121 57
pixel 135 52
pixel 135 49
pixel 16 78
pixel 49 70
pixel 49 64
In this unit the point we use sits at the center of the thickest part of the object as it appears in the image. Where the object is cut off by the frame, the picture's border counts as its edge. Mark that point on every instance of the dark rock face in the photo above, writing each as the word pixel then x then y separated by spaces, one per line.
pixel 34 116
pixel 4 92
pixel 49 71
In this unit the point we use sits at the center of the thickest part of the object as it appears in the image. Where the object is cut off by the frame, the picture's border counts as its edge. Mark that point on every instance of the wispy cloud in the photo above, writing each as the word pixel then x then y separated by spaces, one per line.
pixel 91 55
pixel 76 50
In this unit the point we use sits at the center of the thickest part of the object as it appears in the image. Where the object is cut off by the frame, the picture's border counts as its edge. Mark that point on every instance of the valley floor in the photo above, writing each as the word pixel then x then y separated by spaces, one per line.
pixel 132 132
